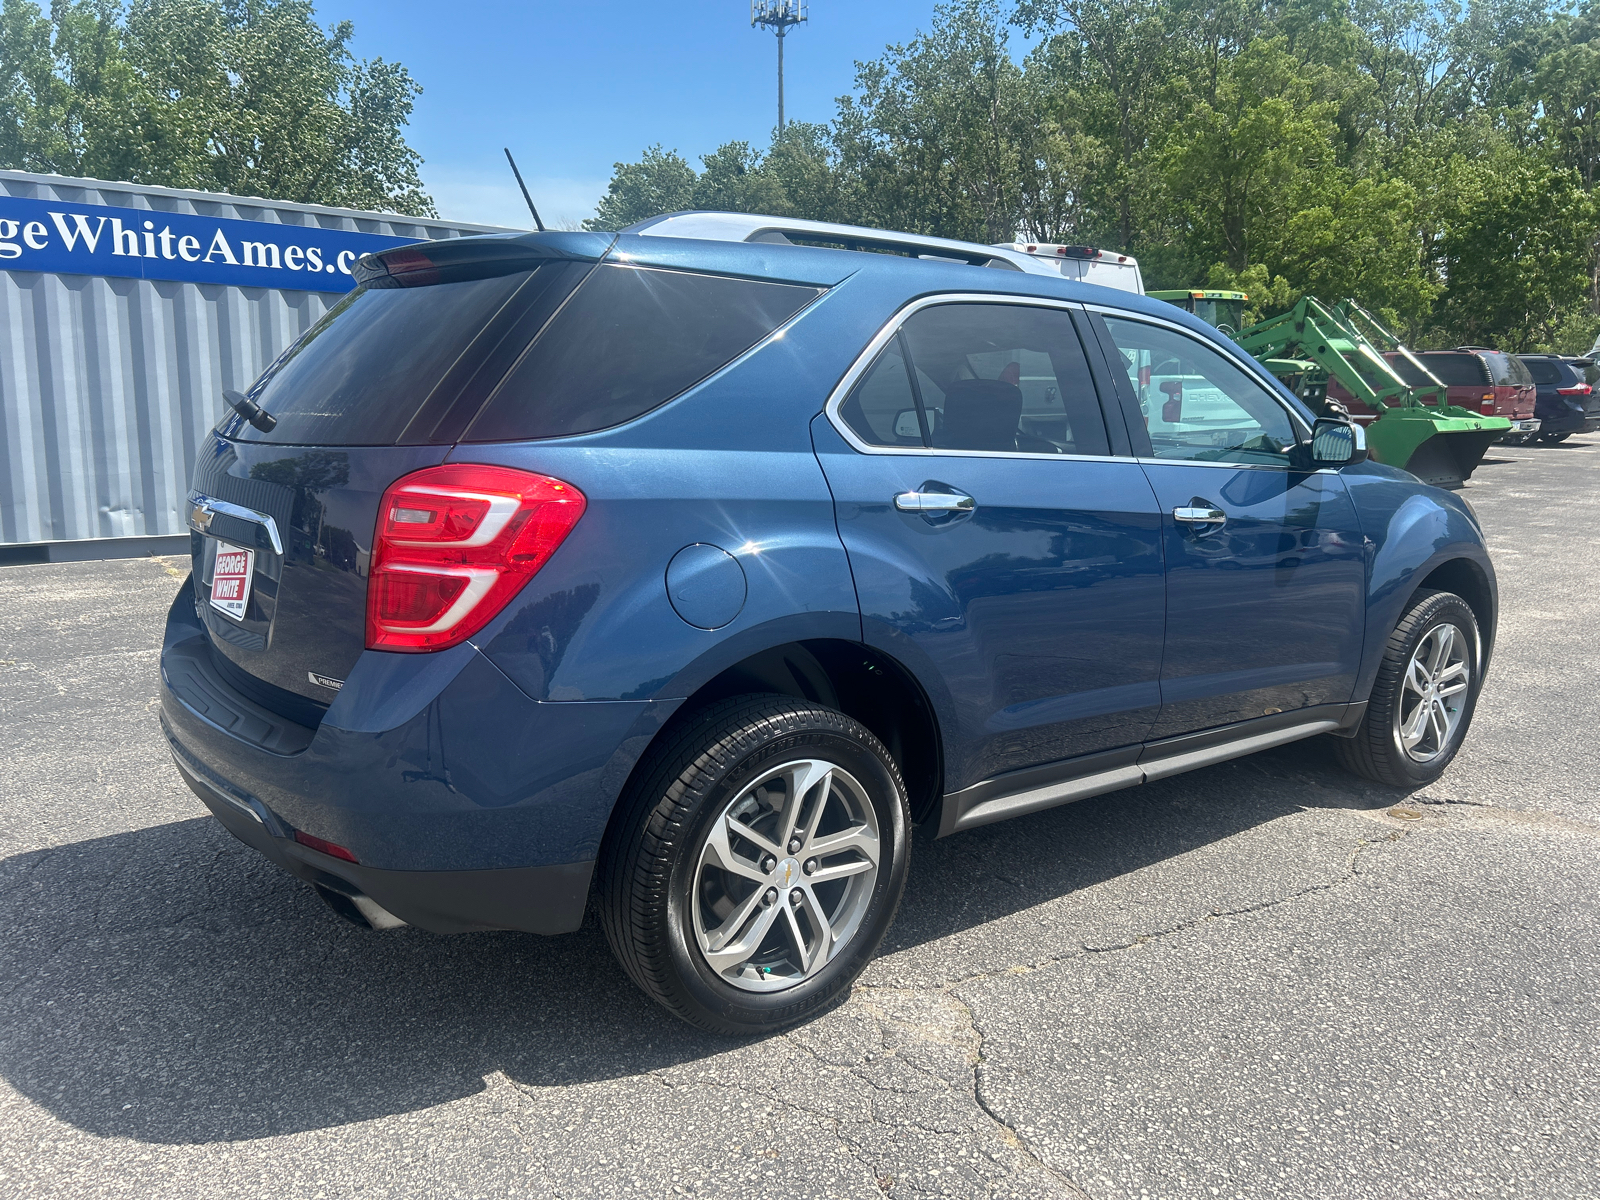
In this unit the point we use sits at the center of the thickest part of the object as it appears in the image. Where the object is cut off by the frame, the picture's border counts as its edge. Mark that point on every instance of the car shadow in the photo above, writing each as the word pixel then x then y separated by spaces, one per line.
pixel 169 985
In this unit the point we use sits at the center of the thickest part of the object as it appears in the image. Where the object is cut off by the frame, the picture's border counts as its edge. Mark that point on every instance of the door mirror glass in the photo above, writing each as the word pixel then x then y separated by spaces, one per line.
pixel 1336 443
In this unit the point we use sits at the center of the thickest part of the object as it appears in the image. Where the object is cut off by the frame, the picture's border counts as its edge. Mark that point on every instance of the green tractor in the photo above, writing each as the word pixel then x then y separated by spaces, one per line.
pixel 1225 310
pixel 1415 428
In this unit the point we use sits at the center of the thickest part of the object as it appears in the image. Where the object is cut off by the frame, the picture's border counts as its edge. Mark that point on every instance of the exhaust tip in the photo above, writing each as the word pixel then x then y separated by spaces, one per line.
pixel 357 908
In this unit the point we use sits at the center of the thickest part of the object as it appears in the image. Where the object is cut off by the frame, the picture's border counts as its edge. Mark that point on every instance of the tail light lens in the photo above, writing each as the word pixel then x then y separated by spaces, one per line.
pixel 1582 389
pixel 329 848
pixel 454 544
pixel 1487 406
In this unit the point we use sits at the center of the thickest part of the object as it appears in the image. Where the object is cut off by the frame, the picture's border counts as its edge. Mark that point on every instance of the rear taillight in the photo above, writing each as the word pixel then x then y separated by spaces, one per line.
pixel 1582 389
pixel 1488 404
pixel 454 544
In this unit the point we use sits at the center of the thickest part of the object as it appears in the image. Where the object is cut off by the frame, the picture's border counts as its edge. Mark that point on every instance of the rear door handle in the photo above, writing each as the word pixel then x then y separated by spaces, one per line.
pixel 930 502
pixel 1199 516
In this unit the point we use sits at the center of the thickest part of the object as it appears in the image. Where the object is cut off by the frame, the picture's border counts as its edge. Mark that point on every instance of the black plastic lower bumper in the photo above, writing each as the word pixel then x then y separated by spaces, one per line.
pixel 544 899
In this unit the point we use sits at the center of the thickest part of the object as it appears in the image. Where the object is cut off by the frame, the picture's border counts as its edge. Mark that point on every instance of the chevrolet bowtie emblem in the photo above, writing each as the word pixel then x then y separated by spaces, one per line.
pixel 200 517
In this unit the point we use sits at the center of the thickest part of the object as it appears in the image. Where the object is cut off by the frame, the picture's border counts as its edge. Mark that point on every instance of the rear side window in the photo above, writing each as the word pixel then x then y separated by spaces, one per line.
pixel 1456 369
pixel 361 373
pixel 1404 368
pixel 1006 378
pixel 1544 370
pixel 629 340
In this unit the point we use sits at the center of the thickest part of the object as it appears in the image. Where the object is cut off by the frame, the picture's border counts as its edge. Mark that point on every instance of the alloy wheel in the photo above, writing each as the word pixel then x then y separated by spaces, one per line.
pixel 785 876
pixel 1434 693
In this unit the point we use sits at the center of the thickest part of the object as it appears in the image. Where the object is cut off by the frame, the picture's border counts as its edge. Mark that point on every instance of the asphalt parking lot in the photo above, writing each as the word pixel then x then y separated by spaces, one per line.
pixel 1265 979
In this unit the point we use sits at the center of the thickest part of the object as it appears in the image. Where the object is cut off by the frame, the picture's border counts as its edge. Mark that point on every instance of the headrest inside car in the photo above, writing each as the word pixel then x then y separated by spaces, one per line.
pixel 980 414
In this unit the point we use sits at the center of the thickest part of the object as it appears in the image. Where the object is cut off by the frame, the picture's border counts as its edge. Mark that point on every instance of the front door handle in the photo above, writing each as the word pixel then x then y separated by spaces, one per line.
pixel 1199 516
pixel 934 502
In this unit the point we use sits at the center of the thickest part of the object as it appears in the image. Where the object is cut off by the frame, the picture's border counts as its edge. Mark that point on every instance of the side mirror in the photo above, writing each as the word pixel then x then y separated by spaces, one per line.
pixel 1172 410
pixel 1337 443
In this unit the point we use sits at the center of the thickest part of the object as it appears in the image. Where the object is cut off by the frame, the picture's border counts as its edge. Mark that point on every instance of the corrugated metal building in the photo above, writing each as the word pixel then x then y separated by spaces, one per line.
pixel 109 380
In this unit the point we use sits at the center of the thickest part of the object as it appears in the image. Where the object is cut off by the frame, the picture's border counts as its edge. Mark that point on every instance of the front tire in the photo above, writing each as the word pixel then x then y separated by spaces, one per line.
pixel 1424 696
pixel 756 863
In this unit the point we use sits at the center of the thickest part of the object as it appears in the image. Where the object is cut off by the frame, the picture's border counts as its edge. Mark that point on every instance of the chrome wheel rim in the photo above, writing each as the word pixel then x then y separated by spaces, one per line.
pixel 1433 693
pixel 785 876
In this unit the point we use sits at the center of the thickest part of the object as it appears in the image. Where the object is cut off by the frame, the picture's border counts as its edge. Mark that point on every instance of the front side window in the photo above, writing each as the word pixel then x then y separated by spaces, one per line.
pixel 1197 404
pixel 1002 378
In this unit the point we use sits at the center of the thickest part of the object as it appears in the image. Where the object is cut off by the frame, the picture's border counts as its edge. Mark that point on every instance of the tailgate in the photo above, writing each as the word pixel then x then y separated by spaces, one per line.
pixel 300 521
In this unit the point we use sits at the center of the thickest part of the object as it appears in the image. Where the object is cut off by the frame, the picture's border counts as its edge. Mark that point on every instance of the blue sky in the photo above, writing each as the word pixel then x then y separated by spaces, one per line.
pixel 574 87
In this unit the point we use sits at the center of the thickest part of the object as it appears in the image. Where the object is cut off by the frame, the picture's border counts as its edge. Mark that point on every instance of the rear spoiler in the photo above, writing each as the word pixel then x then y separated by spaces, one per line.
pixel 452 260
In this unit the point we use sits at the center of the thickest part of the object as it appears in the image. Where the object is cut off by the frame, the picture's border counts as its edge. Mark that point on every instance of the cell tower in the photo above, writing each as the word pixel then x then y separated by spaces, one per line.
pixel 781 16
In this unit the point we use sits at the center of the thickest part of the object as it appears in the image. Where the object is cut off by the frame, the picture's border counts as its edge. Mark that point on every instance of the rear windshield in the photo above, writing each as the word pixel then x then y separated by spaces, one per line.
pixel 1456 369
pixel 629 340
pixel 1504 369
pixel 360 374
pixel 1543 370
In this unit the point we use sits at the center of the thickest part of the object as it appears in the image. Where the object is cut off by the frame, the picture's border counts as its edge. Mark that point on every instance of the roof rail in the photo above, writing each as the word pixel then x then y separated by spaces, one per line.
pixel 755 227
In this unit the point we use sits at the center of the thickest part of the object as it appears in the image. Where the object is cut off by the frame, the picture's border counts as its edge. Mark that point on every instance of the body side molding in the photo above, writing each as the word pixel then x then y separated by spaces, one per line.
pixel 1036 788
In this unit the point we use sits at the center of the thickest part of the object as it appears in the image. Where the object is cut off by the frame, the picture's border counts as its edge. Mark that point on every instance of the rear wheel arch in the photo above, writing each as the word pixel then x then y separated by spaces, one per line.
pixel 862 682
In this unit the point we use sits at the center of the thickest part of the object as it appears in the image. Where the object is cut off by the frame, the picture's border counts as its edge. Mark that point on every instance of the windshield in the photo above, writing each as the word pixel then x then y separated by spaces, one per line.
pixel 1504 369
pixel 362 372
pixel 1226 315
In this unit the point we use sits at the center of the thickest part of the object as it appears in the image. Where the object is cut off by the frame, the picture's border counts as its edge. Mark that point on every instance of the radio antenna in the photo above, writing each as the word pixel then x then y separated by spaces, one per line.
pixel 524 188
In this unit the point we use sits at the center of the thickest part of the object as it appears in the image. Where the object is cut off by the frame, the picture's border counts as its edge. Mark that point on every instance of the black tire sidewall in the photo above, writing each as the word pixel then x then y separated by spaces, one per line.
pixel 718 1003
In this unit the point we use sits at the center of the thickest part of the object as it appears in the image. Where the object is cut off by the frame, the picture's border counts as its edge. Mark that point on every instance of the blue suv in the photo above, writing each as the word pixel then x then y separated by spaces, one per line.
pixel 682 572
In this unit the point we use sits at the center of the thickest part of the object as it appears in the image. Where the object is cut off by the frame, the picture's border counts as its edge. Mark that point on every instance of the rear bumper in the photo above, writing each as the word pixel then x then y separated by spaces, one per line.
pixel 467 804
pixel 532 899
pixel 1524 425
pixel 1565 414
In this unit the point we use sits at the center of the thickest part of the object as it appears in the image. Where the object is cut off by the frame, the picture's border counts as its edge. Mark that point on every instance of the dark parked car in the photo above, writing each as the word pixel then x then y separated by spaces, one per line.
pixel 682 572
pixel 1568 403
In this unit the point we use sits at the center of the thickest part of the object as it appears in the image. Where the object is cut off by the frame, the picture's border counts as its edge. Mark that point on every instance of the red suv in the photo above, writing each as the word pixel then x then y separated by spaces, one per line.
pixel 1480 380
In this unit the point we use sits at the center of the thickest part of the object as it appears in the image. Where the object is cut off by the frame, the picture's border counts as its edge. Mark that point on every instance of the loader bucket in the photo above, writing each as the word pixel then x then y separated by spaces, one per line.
pixel 1441 446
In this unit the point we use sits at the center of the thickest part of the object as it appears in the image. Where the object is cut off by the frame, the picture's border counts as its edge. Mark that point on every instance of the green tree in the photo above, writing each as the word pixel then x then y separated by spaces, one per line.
pixel 1240 166
pixel 1516 253
pixel 249 97
pixel 660 182
pixel 956 118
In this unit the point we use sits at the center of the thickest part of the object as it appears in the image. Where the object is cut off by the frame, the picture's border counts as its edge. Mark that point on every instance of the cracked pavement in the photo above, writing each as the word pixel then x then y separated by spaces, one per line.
pixel 1265 979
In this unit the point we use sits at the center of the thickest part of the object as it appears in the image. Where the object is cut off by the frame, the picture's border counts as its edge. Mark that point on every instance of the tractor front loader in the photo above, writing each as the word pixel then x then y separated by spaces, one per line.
pixel 1416 428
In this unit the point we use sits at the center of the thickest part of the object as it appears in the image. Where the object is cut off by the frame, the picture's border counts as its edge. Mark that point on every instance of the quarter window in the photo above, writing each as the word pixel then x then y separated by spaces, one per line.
pixel 1197 405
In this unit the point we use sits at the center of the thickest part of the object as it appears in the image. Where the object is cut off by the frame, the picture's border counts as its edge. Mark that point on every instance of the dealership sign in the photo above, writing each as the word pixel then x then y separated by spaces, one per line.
pixel 138 243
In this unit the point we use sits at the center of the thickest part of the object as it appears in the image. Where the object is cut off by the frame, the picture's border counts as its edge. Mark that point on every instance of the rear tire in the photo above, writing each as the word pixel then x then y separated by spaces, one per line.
pixel 1423 699
pixel 755 864
pixel 1554 439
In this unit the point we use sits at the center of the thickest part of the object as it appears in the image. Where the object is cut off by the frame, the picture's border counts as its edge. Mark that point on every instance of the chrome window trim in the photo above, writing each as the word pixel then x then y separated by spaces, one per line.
pixel 868 356
pixel 1232 466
